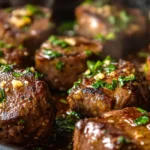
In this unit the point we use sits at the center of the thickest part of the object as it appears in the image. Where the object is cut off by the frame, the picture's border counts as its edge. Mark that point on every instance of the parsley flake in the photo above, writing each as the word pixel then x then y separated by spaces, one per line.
pixel 63 101
pixel 142 110
pixel 88 52
pixel 60 65
pixel 142 120
pixel 58 42
pixel 122 80
pixel 67 123
pixel 2 95
pixel 76 84
pixel 38 75
pixel 34 9
pixel 6 68
pixel 102 84
pixel 51 53
pixel 122 139
pixel 107 37
pixel 17 74
pixel 21 121
pixel 110 68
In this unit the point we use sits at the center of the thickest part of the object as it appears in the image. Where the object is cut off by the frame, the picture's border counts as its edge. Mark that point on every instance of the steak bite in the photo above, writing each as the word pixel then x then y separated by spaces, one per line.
pixel 26 109
pixel 28 25
pixel 108 85
pixel 126 129
pixel 120 30
pixel 63 59
pixel 12 54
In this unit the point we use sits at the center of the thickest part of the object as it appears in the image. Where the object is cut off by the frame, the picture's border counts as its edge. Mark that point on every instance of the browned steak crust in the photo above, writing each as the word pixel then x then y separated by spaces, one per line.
pixel 126 129
pixel 111 86
pixel 120 30
pixel 63 59
pixel 26 109
pixel 13 54
pixel 28 25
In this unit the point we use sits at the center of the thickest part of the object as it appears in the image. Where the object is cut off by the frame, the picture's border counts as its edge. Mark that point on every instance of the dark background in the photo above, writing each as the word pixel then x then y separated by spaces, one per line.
pixel 144 4
pixel 70 4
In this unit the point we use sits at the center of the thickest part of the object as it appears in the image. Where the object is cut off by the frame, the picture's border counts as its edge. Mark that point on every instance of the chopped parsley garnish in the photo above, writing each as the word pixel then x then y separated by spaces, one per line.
pixel 6 68
pixel 34 9
pixel 37 75
pixel 125 18
pixel 63 101
pixel 60 65
pixel 28 70
pixel 58 42
pixel 122 139
pixel 142 110
pixel 17 74
pixel 112 20
pixel 4 45
pixel 25 18
pixel 98 70
pixel 20 46
pixel 21 121
pixel 88 52
pixel 108 58
pixel 102 84
pixel 122 80
pixel 106 65
pixel 102 38
pixel 110 68
pixel 67 123
pixel 51 53
pixel 94 67
pixel 99 84
pixel 74 85
pixel 2 95
pixel 111 86
pixel 120 22
pixel 142 120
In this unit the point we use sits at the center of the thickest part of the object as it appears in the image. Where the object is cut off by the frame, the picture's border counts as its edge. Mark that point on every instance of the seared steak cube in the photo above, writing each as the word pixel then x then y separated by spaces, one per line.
pixel 26 108
pixel 63 59
pixel 126 129
pixel 120 30
pixel 12 54
pixel 28 25
pixel 108 85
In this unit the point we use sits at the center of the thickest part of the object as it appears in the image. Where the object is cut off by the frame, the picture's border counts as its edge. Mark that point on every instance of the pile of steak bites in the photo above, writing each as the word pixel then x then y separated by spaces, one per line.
pixel 80 85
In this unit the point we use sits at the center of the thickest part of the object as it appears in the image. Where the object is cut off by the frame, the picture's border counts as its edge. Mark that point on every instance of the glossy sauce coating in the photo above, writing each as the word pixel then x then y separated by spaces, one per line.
pixel 116 130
